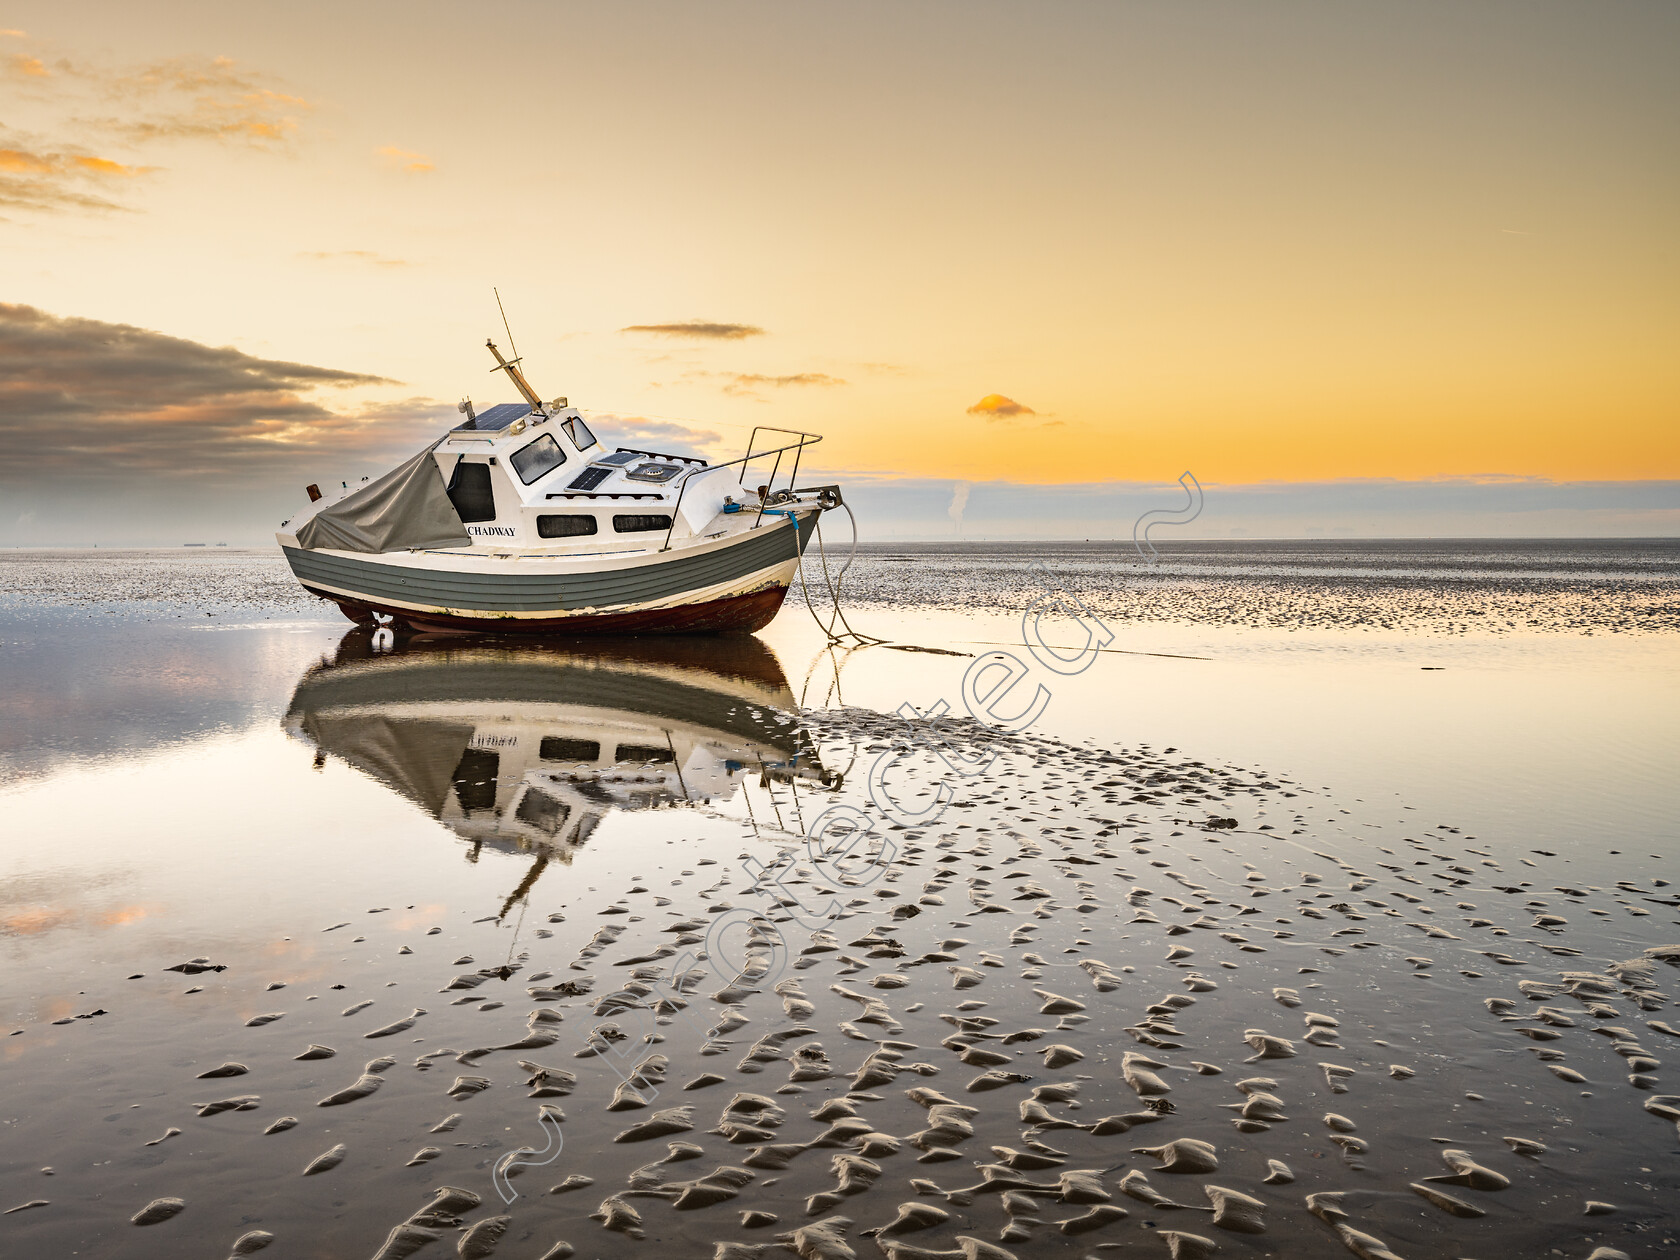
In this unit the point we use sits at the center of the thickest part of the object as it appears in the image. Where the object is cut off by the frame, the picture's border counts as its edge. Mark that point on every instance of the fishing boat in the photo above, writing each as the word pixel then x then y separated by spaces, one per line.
pixel 521 519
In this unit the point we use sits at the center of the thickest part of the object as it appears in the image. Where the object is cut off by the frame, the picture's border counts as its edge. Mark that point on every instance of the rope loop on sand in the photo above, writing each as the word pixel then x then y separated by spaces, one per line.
pixel 832 584
pixel 849 637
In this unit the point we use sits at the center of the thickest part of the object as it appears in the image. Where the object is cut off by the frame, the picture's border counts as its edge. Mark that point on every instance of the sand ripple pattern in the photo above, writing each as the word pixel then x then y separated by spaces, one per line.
pixel 1114 996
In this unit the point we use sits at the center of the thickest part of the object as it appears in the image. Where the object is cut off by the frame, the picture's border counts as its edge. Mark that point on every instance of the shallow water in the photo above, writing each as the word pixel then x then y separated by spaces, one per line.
pixel 216 771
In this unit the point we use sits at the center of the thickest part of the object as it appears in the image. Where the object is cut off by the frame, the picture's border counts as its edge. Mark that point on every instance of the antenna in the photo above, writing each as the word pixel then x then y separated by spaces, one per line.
pixel 509 331
pixel 512 367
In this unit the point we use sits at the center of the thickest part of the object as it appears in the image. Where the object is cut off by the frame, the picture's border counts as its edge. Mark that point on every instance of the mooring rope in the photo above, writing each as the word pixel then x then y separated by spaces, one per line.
pixel 849 636
pixel 832 584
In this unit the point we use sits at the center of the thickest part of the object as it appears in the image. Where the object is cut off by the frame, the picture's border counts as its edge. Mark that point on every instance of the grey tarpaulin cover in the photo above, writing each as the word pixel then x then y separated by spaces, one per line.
pixel 414 758
pixel 407 507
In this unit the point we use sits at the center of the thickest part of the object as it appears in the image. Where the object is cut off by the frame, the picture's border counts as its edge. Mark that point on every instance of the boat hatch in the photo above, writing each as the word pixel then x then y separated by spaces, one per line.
pixel 657 473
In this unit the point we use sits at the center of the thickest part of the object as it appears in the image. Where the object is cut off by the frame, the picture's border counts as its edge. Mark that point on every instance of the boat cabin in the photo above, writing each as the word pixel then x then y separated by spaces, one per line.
pixel 523 477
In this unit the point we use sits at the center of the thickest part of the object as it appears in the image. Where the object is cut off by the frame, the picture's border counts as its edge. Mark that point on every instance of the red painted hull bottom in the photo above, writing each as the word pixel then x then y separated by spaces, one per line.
pixel 739 614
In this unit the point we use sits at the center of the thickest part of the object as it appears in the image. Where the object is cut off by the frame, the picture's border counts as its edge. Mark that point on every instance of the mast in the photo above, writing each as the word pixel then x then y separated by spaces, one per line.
pixel 516 376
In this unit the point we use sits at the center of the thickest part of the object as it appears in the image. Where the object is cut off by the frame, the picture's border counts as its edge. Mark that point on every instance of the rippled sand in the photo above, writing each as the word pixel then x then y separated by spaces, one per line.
pixel 1112 998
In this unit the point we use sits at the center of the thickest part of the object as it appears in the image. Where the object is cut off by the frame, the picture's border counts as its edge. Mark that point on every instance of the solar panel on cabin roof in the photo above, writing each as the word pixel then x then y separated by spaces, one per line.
pixel 497 417
pixel 589 478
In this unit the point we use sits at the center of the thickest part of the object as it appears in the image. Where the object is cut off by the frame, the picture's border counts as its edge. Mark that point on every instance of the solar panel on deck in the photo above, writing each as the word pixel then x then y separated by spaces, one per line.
pixel 589 478
pixel 497 417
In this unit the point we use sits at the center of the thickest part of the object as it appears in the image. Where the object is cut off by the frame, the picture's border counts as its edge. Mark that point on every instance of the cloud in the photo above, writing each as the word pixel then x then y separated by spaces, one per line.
pixel 48 179
pixel 42 195
pixel 193 98
pixel 89 108
pixel 355 255
pixel 85 400
pixel 998 407
pixel 700 329
pixel 746 380
pixel 262 116
pixel 17 162
pixel 23 162
pixel 184 74
pixel 744 384
pixel 406 160
pixel 105 166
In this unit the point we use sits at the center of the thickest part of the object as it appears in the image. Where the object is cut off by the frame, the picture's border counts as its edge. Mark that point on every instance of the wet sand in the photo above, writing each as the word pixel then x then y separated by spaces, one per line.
pixel 1432 587
pixel 1119 997
pixel 1421 587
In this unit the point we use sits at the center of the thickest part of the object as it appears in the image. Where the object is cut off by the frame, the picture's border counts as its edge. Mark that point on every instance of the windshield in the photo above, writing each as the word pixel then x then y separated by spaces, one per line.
pixel 579 432
pixel 537 459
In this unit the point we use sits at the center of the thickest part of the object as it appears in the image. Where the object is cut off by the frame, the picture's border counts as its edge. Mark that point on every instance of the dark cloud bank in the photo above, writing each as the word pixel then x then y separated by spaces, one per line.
pixel 108 430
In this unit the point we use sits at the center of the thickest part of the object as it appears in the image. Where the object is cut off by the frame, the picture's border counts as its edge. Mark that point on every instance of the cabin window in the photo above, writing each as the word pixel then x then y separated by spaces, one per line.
pixel 565 526
pixel 537 459
pixel 640 522
pixel 560 748
pixel 644 753
pixel 469 491
pixel 540 810
pixel 475 777
pixel 579 432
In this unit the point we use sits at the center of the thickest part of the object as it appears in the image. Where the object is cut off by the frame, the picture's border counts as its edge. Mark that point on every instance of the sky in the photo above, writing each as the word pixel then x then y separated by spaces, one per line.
pixel 1363 268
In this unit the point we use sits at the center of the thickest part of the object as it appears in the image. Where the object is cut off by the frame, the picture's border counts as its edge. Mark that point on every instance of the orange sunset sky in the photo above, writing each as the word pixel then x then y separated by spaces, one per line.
pixel 999 244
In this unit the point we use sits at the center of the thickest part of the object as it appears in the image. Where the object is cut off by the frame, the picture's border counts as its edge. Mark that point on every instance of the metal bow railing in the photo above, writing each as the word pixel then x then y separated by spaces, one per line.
pixel 769 488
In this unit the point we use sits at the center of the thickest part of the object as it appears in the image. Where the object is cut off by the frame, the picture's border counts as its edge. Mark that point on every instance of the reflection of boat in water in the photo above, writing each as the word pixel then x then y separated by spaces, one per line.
pixel 526 748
